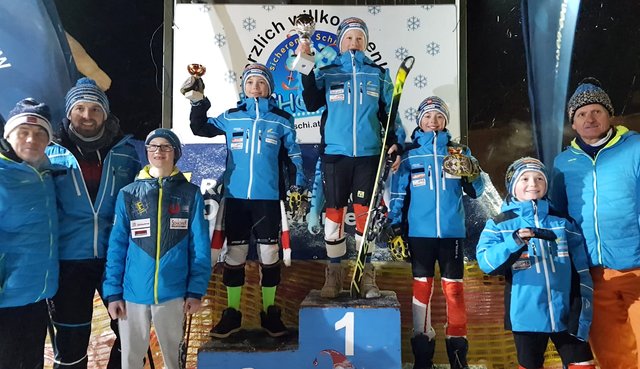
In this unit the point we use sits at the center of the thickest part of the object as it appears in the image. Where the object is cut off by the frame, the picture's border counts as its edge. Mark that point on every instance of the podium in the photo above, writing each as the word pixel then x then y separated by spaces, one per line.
pixel 343 332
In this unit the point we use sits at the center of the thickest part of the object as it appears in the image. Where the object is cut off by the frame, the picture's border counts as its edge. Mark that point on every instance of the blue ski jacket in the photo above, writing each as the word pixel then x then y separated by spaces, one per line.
pixel 255 131
pixel 85 225
pixel 29 234
pixel 549 288
pixel 435 209
pixel 159 245
pixel 603 196
pixel 357 94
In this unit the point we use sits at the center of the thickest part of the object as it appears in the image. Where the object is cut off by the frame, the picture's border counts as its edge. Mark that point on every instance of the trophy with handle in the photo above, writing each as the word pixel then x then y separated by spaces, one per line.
pixel 304 26
pixel 193 87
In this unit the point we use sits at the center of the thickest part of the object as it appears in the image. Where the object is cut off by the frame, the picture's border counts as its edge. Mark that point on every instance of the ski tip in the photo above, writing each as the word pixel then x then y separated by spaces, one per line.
pixel 408 62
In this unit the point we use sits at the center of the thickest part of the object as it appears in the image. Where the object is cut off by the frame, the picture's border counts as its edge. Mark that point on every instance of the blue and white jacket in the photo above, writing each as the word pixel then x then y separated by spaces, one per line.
pixel 159 245
pixel 548 285
pixel 85 225
pixel 255 131
pixel 29 234
pixel 603 196
pixel 435 209
pixel 357 94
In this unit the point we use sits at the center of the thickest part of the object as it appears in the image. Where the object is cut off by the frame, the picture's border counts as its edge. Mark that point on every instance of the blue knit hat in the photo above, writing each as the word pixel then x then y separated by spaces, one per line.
pixel 515 170
pixel 168 135
pixel 29 111
pixel 86 90
pixel 257 69
pixel 353 23
pixel 432 103
pixel 588 92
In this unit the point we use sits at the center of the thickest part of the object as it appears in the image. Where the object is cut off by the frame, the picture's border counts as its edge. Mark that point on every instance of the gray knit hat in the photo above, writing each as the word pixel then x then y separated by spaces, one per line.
pixel 168 135
pixel 588 92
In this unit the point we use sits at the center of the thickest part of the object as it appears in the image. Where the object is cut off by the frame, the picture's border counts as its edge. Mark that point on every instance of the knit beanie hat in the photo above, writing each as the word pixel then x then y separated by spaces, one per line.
pixel 168 135
pixel 86 90
pixel 29 111
pixel 433 103
pixel 515 170
pixel 259 70
pixel 353 23
pixel 588 92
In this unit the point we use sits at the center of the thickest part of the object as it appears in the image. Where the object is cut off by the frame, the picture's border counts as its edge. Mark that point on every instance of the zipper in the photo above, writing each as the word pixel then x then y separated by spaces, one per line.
pixel 443 179
pixel 355 111
pixel 259 140
pixel 253 136
pixel 246 141
pixel 436 171
pixel 546 272
pixel 75 183
pixel 113 181
pixel 430 178
pixel 158 238
pixel 360 93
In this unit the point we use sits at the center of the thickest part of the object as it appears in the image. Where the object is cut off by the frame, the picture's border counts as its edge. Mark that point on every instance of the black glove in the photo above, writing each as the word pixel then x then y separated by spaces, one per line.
pixel 544 234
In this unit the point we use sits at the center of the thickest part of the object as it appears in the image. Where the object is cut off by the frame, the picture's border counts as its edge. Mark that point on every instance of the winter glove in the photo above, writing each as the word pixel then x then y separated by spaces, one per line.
pixel 397 246
pixel 544 234
pixel 193 89
pixel 298 200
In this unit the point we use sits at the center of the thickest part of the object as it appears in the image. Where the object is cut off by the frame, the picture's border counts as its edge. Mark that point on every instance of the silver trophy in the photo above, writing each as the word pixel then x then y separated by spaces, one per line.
pixel 304 26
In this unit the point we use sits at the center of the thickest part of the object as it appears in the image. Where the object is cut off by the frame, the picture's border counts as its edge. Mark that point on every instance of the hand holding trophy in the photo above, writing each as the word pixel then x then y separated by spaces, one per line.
pixel 193 87
pixel 304 26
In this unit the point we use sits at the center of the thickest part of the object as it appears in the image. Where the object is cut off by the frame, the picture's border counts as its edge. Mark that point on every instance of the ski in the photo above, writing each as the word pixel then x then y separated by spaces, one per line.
pixel 377 210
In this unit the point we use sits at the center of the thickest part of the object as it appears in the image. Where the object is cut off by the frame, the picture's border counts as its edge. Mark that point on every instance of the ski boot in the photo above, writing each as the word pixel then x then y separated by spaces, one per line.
pixel 423 349
pixel 272 323
pixel 333 281
pixel 457 348
pixel 369 288
pixel 229 323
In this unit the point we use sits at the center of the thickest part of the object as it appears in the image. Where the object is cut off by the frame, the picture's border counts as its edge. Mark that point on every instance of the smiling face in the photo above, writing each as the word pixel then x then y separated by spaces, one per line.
pixel 433 121
pixel 161 154
pixel 591 122
pixel 531 185
pixel 256 86
pixel 352 40
pixel 87 118
pixel 29 141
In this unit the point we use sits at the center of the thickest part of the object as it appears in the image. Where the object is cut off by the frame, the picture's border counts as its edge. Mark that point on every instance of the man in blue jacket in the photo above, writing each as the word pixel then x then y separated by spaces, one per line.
pixel 100 161
pixel 596 181
pixel 29 234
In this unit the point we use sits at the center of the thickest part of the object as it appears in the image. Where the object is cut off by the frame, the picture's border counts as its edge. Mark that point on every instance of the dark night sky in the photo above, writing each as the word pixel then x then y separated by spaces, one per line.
pixel 118 34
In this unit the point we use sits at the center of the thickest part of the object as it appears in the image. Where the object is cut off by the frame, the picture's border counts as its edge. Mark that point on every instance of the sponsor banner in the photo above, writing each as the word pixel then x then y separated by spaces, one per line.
pixel 225 38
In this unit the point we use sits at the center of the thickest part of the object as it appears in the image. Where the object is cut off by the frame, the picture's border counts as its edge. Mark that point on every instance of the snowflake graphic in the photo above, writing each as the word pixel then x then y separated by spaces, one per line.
pixel 230 77
pixel 219 40
pixel 410 114
pixel 433 49
pixel 205 8
pixel 249 24
pixel 427 7
pixel 268 7
pixel 413 23
pixel 374 10
pixel 420 81
pixel 401 53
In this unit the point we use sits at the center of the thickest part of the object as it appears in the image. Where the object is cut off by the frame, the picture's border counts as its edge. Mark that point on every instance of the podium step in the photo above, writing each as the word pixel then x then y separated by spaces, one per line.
pixel 343 332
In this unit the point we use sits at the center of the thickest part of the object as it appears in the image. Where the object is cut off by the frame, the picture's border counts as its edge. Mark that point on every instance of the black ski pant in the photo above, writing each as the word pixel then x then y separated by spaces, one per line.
pixel 531 347
pixel 22 334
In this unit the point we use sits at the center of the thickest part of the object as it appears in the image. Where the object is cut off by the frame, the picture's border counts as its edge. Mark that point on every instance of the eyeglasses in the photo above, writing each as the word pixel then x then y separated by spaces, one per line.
pixel 163 148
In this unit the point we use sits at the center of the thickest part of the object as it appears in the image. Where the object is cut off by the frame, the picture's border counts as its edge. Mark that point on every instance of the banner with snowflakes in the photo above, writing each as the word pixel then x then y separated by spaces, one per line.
pixel 225 38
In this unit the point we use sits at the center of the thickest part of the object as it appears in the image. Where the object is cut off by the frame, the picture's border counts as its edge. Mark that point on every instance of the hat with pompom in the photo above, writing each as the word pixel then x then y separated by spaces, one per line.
pixel 85 90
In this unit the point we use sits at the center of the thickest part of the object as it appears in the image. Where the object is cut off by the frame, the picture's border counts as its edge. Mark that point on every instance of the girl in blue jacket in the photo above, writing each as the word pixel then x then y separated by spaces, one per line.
pixel 158 260
pixel 549 291
pixel 435 218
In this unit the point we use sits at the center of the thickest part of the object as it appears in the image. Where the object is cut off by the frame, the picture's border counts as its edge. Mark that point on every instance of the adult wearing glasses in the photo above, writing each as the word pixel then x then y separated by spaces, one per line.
pixel 100 160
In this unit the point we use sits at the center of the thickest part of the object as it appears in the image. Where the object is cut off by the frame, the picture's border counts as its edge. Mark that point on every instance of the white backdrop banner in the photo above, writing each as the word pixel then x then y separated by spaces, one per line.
pixel 225 38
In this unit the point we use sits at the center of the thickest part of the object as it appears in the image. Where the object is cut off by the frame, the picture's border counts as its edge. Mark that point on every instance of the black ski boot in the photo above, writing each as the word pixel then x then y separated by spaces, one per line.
pixel 272 323
pixel 423 349
pixel 229 323
pixel 457 348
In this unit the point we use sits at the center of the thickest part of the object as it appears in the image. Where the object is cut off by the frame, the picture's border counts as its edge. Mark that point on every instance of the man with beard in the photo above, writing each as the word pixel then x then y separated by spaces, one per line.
pixel 100 160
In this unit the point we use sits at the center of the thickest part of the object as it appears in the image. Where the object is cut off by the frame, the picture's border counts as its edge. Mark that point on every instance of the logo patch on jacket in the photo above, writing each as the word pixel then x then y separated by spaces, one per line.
pixel 179 223
pixel 139 207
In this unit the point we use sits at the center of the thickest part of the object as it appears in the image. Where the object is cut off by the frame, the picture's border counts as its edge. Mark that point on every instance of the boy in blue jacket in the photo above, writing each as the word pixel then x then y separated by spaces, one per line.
pixel 256 131
pixel 435 219
pixel 158 260
pixel 549 291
